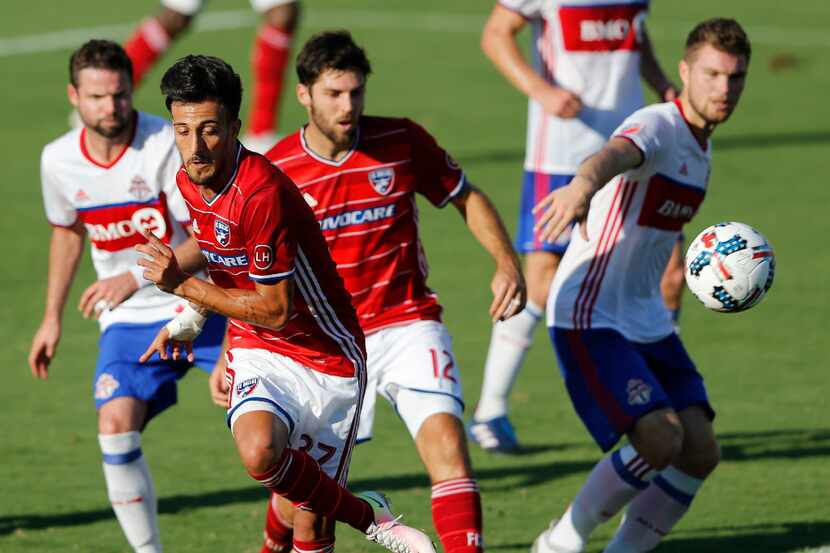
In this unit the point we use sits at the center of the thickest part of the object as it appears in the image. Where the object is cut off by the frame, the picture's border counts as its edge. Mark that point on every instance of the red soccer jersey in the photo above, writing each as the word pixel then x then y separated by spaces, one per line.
pixel 365 204
pixel 259 229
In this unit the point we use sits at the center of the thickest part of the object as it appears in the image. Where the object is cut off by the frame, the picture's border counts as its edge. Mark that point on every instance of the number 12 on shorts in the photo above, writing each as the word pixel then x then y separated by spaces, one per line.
pixel 442 364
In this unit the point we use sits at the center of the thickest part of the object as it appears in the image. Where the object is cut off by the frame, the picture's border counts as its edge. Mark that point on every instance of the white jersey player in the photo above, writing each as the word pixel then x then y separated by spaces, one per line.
pixel 112 180
pixel 583 79
pixel 625 369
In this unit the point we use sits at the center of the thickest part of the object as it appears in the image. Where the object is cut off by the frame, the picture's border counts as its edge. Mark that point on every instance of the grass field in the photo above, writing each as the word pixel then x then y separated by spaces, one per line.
pixel 766 369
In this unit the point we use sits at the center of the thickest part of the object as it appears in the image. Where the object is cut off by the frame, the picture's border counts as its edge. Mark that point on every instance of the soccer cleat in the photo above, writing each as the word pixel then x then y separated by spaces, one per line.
pixel 391 534
pixel 542 542
pixel 495 435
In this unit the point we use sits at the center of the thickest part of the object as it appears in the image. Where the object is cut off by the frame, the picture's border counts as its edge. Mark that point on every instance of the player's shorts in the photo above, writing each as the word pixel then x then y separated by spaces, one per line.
pixel 119 374
pixel 613 382
pixel 413 367
pixel 535 186
pixel 192 7
pixel 320 410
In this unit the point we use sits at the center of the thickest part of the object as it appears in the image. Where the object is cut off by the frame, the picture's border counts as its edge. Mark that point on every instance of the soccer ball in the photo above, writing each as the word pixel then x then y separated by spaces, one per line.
pixel 730 267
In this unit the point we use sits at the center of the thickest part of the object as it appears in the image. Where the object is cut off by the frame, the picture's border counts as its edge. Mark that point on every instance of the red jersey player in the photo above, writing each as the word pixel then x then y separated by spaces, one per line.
pixel 361 175
pixel 296 361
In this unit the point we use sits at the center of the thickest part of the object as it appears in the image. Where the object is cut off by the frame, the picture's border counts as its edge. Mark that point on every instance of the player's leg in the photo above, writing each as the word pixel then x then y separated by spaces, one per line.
pixel 269 403
pixel 614 393
pixel 511 339
pixel 671 285
pixel 270 58
pixel 155 34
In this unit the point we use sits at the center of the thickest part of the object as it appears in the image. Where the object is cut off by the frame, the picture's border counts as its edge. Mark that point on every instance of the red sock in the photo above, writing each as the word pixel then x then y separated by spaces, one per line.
pixel 279 535
pixel 298 478
pixel 270 58
pixel 456 513
pixel 149 41
pixel 324 545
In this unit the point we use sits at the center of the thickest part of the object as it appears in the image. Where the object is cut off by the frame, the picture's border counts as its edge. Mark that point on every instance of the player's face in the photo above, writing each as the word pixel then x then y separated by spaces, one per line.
pixel 206 140
pixel 104 100
pixel 335 104
pixel 714 81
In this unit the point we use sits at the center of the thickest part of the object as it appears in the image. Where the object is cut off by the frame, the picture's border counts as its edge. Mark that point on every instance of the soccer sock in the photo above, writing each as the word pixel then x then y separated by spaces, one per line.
pixel 324 545
pixel 298 478
pixel 508 346
pixel 149 41
pixel 456 513
pixel 130 490
pixel 272 48
pixel 614 482
pixel 279 535
pixel 655 512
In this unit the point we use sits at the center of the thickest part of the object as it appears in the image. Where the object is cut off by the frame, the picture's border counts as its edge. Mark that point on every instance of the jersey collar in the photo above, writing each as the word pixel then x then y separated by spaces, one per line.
pixel 112 163
pixel 230 180
pixel 326 160
pixel 702 143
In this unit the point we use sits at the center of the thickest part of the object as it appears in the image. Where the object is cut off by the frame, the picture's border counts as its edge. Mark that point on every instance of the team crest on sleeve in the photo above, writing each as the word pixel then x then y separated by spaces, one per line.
pixel 631 129
pixel 263 256
pixel 382 180
pixel 639 393
pixel 246 387
pixel 105 386
pixel 222 230
pixel 451 163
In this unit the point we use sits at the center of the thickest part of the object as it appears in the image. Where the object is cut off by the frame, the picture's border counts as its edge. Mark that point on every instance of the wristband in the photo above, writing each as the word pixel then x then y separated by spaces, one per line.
pixel 187 325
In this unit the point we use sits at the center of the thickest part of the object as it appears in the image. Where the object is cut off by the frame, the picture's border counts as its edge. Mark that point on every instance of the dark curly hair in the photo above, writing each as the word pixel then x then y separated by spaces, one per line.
pixel 194 79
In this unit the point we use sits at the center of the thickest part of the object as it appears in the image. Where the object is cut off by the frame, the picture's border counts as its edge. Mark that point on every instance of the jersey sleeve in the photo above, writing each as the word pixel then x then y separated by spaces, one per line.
pixel 646 130
pixel 168 170
pixel 270 241
pixel 528 9
pixel 59 210
pixel 439 178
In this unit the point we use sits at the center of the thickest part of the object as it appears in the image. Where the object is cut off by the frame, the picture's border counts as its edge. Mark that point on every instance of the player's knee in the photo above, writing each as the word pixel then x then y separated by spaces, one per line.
pixel 658 438
pixel 443 447
pixel 258 453
pixel 702 460
pixel 284 16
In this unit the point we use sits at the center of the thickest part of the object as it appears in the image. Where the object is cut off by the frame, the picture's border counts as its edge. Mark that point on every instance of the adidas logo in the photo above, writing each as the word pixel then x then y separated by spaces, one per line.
pixel 81 196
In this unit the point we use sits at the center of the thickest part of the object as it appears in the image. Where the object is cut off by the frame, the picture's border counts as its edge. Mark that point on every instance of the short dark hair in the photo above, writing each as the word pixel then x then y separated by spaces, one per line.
pixel 724 34
pixel 99 54
pixel 194 79
pixel 330 50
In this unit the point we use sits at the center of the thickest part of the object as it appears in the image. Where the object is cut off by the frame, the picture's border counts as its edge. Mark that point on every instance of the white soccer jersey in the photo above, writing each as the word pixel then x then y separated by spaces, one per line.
pixel 613 279
pixel 592 48
pixel 136 192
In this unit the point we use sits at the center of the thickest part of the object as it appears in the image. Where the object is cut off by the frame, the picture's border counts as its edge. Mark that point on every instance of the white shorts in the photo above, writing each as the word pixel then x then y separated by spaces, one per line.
pixel 413 367
pixel 192 7
pixel 318 409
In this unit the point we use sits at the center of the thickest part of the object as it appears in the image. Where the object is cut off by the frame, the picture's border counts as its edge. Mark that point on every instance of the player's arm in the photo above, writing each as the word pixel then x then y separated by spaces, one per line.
pixel 652 73
pixel 570 203
pixel 508 286
pixel 498 41
pixel 65 251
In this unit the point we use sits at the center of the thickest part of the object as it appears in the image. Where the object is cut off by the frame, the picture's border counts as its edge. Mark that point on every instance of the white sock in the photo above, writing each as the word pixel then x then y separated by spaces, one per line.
pixel 508 345
pixel 130 489
pixel 655 512
pixel 614 482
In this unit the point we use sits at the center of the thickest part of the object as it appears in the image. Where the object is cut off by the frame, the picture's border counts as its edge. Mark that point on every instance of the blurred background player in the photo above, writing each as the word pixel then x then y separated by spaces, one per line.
pixel 296 357
pixel 269 59
pixel 583 80
pixel 626 370
pixel 360 175
pixel 113 179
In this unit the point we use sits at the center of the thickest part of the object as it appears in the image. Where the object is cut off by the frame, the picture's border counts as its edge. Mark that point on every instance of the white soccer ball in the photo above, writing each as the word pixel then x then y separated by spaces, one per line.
pixel 730 267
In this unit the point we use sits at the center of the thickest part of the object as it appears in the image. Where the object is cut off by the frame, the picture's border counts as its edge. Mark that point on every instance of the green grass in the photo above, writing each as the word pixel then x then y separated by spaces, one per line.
pixel 766 369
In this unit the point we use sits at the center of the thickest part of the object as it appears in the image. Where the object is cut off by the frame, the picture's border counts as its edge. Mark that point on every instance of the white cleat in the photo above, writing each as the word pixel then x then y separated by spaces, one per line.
pixel 260 143
pixel 542 543
pixel 389 532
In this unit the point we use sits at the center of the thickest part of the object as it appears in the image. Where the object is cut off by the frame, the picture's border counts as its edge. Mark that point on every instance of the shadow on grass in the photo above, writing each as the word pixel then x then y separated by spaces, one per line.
pixel 739 446
pixel 736 142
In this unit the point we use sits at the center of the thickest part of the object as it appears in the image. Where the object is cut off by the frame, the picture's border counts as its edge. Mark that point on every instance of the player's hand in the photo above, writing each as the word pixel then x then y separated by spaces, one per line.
pixel 106 294
pixel 560 102
pixel 218 385
pixel 44 346
pixel 161 266
pixel 563 206
pixel 178 350
pixel 509 291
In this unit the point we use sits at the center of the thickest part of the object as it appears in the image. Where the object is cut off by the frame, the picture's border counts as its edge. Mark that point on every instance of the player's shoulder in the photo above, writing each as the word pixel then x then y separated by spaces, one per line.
pixel 389 129
pixel 285 149
pixel 655 119
pixel 256 172
pixel 66 146
pixel 154 131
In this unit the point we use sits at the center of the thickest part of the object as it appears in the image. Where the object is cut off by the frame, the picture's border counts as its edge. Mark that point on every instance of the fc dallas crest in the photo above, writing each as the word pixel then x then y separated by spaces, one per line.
pixel 382 180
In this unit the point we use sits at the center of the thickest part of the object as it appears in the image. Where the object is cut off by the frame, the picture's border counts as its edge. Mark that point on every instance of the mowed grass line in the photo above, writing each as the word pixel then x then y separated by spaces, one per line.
pixel 764 367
